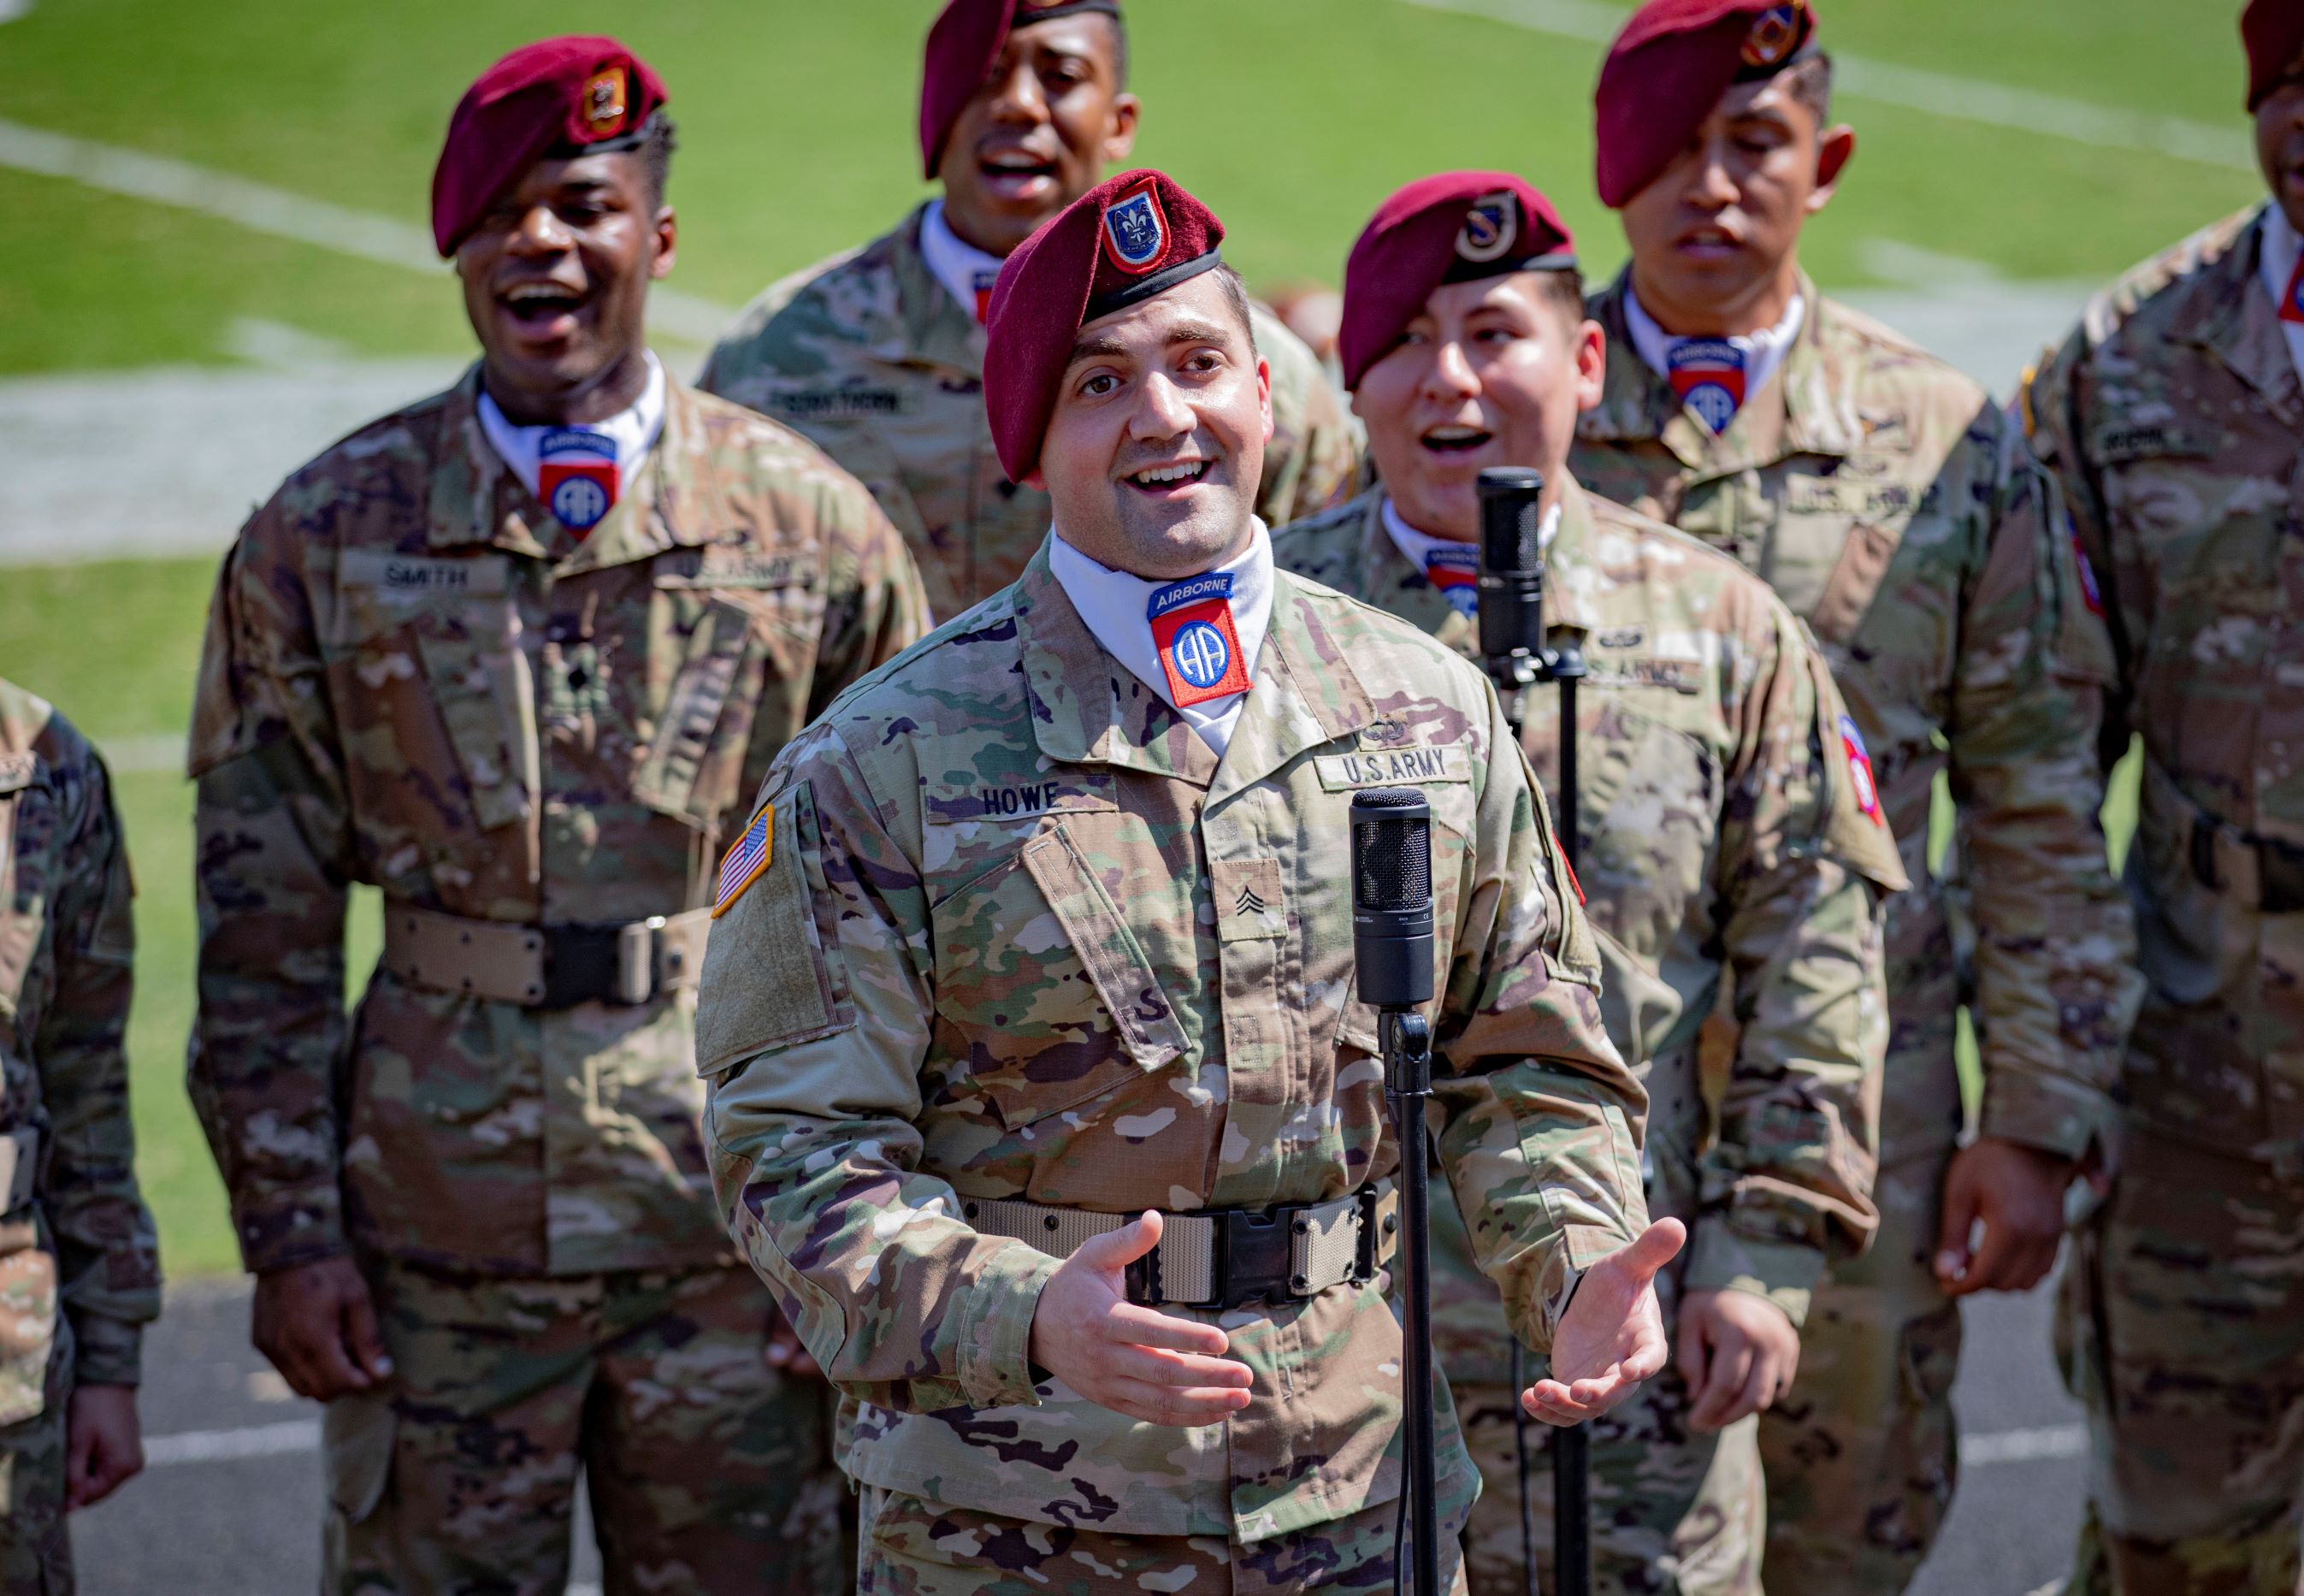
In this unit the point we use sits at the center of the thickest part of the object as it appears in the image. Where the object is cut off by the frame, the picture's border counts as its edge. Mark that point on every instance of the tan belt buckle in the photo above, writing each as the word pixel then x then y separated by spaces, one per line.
pixel 636 945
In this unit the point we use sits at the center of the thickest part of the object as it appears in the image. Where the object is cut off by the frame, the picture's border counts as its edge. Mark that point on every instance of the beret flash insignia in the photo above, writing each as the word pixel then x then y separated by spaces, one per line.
pixel 606 101
pixel 1491 228
pixel 1135 233
pixel 1775 35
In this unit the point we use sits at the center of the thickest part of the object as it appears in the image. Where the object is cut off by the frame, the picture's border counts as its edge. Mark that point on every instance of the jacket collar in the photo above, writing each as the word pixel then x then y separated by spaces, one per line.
pixel 1806 408
pixel 476 498
pixel 2224 311
pixel 1088 708
pixel 928 328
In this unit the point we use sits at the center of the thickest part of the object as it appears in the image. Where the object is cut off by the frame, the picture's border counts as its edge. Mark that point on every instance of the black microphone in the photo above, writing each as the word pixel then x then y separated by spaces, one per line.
pixel 1392 896
pixel 1512 563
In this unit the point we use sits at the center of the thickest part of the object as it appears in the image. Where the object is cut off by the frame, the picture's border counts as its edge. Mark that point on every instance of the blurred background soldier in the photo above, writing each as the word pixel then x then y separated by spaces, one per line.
pixel 878 355
pixel 79 1272
pixel 516 655
pixel 1053 927
pixel 1883 496
pixel 1729 824
pixel 2173 417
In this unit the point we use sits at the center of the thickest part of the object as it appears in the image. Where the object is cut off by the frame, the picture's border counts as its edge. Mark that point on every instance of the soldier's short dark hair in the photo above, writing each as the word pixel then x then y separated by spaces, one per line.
pixel 1809 82
pixel 1119 51
pixel 1565 288
pixel 658 140
pixel 1235 293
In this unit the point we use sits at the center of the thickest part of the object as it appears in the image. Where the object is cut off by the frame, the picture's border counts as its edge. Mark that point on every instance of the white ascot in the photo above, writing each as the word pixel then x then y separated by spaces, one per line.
pixel 2276 268
pixel 966 272
pixel 1114 603
pixel 1763 351
pixel 633 430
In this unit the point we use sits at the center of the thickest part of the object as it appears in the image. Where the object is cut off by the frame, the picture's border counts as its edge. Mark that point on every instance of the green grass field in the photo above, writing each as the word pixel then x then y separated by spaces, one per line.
pixel 1293 117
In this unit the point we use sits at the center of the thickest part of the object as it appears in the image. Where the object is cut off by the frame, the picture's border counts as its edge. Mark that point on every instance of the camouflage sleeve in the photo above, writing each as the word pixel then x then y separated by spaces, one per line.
pixel 1541 1118
pixel 107 1257
pixel 2055 954
pixel 2049 403
pixel 273 858
pixel 1313 462
pixel 1803 860
pixel 877 607
pixel 812 1027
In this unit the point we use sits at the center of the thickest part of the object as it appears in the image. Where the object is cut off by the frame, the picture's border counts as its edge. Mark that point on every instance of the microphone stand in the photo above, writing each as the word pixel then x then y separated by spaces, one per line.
pixel 1406 1037
pixel 1516 654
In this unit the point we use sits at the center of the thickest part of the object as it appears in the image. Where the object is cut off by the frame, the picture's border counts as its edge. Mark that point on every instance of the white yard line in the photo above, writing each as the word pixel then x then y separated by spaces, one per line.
pixel 262 209
pixel 144 756
pixel 1943 94
pixel 2041 1444
pixel 10 9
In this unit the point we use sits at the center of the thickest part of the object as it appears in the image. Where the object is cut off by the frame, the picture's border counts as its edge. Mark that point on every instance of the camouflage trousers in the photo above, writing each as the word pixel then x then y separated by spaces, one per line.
pixel 706 1469
pixel 1860 1455
pixel 2182 1328
pixel 35 1546
pixel 913 1547
pixel 1674 1510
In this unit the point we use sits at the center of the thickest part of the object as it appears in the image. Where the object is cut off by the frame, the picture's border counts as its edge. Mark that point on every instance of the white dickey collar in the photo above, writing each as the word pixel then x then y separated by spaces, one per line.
pixel 2275 268
pixel 1764 352
pixel 635 431
pixel 960 266
pixel 1114 604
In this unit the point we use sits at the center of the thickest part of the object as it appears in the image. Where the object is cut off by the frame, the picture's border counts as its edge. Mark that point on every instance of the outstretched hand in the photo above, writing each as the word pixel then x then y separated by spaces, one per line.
pixel 1141 1363
pixel 1612 1337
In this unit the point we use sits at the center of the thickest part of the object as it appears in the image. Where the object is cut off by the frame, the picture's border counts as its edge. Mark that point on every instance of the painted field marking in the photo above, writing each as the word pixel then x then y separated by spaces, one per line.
pixel 262 209
pixel 1943 94
pixel 290 1437
pixel 2041 1444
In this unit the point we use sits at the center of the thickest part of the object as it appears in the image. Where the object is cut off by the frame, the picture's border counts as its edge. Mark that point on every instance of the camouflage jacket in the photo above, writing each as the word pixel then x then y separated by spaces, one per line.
pixel 416 678
pixel 1891 505
pixel 872 357
pixel 1029 937
pixel 1723 827
pixel 2173 419
pixel 82 1251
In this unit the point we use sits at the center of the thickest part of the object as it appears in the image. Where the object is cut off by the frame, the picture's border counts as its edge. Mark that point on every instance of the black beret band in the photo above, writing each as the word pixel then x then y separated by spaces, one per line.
pixel 1145 288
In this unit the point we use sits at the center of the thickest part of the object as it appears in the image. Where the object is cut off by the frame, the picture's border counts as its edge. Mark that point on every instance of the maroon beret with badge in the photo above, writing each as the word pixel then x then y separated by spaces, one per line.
pixel 1668 68
pixel 582 94
pixel 2272 31
pixel 1124 240
pixel 964 45
pixel 1455 227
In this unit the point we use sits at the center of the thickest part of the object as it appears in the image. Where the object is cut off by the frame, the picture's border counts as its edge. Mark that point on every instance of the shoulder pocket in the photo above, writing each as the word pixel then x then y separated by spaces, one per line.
pixel 769 977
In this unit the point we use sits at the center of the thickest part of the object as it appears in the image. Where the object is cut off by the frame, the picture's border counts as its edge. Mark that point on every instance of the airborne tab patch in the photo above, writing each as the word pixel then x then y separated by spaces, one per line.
pixel 747 861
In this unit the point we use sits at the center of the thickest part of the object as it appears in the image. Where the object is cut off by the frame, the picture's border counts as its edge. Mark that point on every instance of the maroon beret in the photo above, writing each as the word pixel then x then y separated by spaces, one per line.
pixel 1668 68
pixel 2274 32
pixel 963 47
pixel 581 92
pixel 1455 227
pixel 1124 240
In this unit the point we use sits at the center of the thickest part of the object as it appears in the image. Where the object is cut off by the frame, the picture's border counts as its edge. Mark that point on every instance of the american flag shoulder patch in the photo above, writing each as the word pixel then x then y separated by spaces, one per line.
pixel 746 861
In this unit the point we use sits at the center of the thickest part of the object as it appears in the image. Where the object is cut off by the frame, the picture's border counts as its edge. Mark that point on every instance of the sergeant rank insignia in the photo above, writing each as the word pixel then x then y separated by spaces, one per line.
pixel 1200 646
pixel 746 861
pixel 1135 233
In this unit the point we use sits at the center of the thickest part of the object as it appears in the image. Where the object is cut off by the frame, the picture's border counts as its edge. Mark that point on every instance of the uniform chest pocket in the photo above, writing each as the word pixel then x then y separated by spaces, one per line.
pixel 1649 799
pixel 1052 992
pixel 698 724
pixel 433 648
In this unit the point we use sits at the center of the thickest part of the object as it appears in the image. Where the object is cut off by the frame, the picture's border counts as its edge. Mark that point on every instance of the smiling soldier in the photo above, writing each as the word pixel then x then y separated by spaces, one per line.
pixel 1891 505
pixel 878 353
pixel 516 656
pixel 1003 1102
pixel 1731 827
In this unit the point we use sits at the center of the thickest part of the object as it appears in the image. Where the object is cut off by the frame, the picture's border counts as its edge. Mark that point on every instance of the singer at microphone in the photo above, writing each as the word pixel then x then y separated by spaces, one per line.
pixel 1040 1081
pixel 1727 816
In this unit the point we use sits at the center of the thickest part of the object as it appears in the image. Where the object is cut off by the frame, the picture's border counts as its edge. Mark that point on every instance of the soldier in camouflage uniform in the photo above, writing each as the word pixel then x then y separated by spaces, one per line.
pixel 878 353
pixel 517 656
pixel 79 1269
pixel 1887 500
pixel 2173 417
pixel 1730 826
pixel 1052 926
